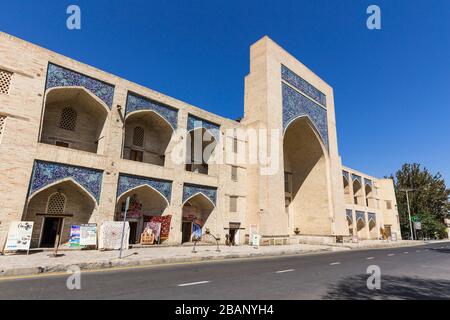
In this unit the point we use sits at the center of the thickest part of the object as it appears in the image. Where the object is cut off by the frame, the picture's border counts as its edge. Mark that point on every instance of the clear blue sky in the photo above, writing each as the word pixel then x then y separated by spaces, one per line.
pixel 392 87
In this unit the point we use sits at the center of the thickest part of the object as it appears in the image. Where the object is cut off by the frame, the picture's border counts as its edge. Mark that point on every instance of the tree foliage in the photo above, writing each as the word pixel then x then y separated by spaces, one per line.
pixel 429 201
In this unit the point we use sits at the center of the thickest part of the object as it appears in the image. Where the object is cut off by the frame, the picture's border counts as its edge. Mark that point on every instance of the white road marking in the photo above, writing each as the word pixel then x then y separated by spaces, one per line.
pixel 193 283
pixel 391 254
pixel 370 258
pixel 334 263
pixel 284 271
pixel 406 252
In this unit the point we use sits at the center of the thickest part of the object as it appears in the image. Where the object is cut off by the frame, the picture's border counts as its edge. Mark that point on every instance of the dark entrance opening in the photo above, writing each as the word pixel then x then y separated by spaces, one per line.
pixel 51 228
pixel 133 232
pixel 187 231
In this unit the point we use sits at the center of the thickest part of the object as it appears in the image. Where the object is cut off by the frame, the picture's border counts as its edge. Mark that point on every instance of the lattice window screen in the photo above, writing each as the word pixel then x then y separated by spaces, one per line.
pixel 5 81
pixel 138 137
pixel 68 119
pixel 56 204
pixel 2 126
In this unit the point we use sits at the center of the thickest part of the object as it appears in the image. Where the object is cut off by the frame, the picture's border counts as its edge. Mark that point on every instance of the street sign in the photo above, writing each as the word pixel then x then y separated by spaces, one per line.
pixel 418 225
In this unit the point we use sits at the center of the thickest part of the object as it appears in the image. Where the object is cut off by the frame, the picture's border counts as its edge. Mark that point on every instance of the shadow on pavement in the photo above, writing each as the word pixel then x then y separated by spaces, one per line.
pixel 392 287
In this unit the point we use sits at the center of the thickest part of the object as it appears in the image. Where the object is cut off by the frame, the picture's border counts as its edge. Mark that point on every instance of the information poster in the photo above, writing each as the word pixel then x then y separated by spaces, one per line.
pixel 19 236
pixel 74 238
pixel 88 234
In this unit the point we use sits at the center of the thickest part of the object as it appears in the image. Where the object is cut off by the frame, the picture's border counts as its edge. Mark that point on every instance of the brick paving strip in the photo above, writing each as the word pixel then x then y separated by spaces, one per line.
pixel 39 262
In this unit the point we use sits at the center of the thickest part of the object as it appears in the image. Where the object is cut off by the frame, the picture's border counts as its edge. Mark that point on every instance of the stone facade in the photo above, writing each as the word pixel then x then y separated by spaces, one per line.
pixel 78 135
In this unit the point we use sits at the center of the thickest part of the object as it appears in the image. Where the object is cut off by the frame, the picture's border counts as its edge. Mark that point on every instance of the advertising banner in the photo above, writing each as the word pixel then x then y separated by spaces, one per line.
pixel 74 238
pixel 19 236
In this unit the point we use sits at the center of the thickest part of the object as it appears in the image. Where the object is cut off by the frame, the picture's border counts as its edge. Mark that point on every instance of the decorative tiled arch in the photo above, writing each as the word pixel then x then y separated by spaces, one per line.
pixel 349 214
pixel 346 175
pixel 189 190
pixel 136 102
pixel 360 215
pixel 368 182
pixel 302 85
pixel 61 77
pixel 47 173
pixel 196 122
pixel 358 178
pixel 296 105
pixel 372 216
pixel 128 182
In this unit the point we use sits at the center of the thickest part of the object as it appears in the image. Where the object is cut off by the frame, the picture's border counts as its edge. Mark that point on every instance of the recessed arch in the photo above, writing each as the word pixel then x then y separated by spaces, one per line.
pixel 197 210
pixel 306 162
pixel 156 136
pixel 199 194
pixel 69 179
pixel 90 111
pixel 313 128
pixel 357 191
pixel 143 186
pixel 197 159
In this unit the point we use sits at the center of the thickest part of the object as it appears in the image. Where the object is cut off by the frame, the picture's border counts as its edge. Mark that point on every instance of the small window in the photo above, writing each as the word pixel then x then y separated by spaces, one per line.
pixel 233 204
pixel 62 144
pixel 138 136
pixel 234 173
pixel 235 145
pixel 287 182
pixel 5 81
pixel 56 204
pixel 2 126
pixel 136 155
pixel 389 204
pixel 68 119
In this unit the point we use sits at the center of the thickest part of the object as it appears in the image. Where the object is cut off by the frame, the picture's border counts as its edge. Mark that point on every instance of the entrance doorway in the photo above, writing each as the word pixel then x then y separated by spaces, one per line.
pixel 133 232
pixel 187 231
pixel 51 228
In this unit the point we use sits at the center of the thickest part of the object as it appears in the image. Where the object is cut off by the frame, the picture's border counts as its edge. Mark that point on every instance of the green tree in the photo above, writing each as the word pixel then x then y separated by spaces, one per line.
pixel 429 202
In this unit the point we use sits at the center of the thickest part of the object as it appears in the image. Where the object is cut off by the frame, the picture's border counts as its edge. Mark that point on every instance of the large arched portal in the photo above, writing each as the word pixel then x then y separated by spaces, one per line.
pixel 200 146
pixel 306 182
pixel 145 204
pixel 57 208
pixel 74 118
pixel 147 136
pixel 196 217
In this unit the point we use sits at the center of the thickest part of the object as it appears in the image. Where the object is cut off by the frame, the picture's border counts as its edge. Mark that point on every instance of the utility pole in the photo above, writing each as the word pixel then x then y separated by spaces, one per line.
pixel 409 210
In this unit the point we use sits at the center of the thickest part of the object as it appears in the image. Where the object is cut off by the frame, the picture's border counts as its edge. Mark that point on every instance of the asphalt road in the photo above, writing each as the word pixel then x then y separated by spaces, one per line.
pixel 421 272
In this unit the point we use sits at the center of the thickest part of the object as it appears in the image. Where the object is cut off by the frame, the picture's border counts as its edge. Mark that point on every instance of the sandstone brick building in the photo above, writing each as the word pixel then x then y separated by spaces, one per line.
pixel 75 142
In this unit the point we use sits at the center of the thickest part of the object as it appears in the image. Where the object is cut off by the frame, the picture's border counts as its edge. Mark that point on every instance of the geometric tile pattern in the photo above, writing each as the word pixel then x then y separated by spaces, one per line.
pixel 372 216
pixel 128 182
pixel 349 214
pixel 45 173
pixel 190 190
pixel 304 86
pixel 136 102
pixel 360 215
pixel 195 123
pixel 61 77
pixel 295 105
pixel 356 177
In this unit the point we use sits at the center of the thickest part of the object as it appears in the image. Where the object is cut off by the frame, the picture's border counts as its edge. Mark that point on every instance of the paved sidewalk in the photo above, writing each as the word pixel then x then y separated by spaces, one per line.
pixel 40 262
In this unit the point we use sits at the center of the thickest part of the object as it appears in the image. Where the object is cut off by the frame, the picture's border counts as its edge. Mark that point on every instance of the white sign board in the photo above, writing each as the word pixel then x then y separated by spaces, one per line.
pixel 418 225
pixel 256 238
pixel 19 236
pixel 111 233
pixel 88 234
pixel 394 236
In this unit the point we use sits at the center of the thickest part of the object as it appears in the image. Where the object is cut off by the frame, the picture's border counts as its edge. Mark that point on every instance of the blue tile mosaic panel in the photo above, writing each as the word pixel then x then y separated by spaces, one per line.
pixel 304 86
pixel 46 173
pixel 372 216
pixel 128 182
pixel 61 77
pixel 368 182
pixel 136 102
pixel 349 214
pixel 195 123
pixel 190 190
pixel 346 175
pixel 360 215
pixel 356 177
pixel 296 105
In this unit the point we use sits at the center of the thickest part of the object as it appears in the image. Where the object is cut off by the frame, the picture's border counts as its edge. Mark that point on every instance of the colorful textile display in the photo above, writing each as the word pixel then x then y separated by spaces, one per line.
pixel 196 231
pixel 165 224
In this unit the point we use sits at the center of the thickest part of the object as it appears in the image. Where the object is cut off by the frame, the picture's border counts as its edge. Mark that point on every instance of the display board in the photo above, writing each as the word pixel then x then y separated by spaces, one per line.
pixel 88 234
pixel 19 236
pixel 111 234
pixel 74 238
